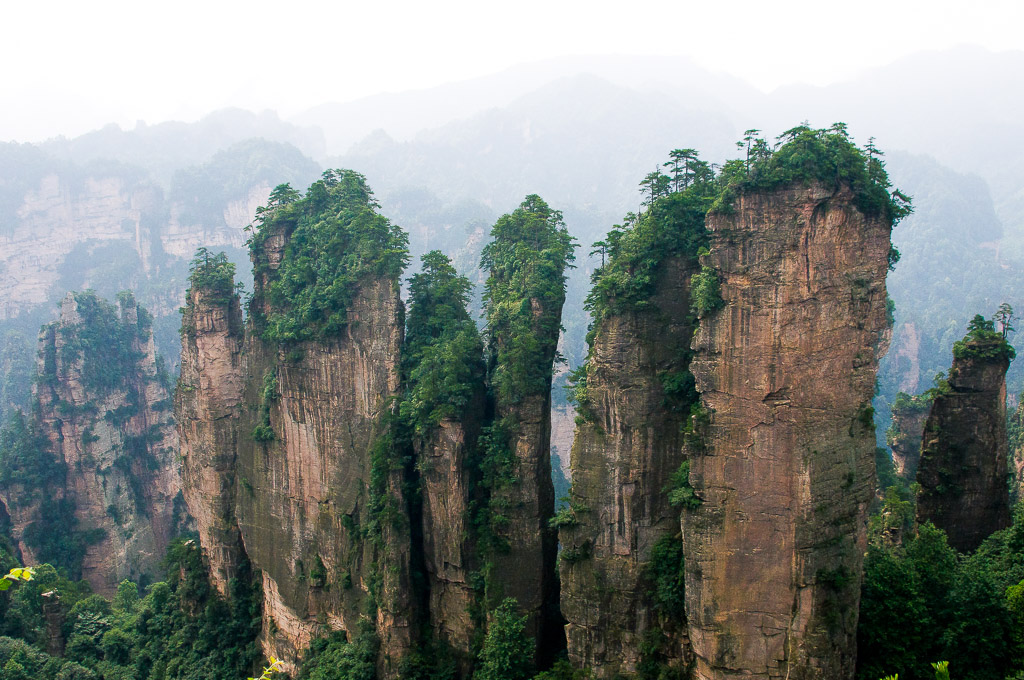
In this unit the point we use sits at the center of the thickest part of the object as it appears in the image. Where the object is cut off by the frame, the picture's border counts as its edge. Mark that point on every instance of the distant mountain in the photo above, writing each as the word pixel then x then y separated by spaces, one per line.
pixel 403 114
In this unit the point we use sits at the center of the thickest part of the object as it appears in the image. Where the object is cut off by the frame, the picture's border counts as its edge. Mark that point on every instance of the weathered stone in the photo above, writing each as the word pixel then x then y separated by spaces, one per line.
pixel 628 445
pixel 208 402
pixel 786 369
pixel 963 469
pixel 116 445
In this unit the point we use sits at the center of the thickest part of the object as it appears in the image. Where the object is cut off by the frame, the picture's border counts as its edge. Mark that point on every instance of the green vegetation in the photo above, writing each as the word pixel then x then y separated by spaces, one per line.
pixel 443 356
pixel 264 432
pixel 526 259
pixel 26 460
pixel 665 570
pixel 805 155
pixel 180 630
pixel 106 340
pixel 507 654
pixel 705 292
pixel 921 600
pixel 984 342
pixel 338 658
pixel 214 275
pixel 336 241
pixel 680 493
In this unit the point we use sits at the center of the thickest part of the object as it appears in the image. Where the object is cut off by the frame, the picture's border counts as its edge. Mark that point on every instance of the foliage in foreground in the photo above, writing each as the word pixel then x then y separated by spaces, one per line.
pixel 180 630
pixel 923 601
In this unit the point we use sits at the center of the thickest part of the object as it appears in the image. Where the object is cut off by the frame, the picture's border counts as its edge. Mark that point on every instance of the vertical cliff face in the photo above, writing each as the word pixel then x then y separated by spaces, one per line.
pixel 103 422
pixel 786 371
pixel 628 446
pixel 303 485
pixel 525 291
pixel 904 436
pixel 963 467
pixel 448 484
pixel 208 403
pixel 289 443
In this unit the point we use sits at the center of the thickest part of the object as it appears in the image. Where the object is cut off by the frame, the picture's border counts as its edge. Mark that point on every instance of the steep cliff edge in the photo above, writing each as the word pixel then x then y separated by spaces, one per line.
pixel 621 560
pixel 523 298
pixel 109 506
pixel 963 468
pixel 207 404
pixel 786 370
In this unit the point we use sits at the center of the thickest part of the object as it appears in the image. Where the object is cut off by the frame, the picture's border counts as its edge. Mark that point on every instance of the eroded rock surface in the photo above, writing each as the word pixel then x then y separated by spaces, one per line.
pixel 963 467
pixel 103 410
pixel 786 369
pixel 628 445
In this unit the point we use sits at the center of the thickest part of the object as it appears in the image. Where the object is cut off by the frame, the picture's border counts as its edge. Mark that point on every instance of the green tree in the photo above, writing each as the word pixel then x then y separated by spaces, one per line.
pixel 506 653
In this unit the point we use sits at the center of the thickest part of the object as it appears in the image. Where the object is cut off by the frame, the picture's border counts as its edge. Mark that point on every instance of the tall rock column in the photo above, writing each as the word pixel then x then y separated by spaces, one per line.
pixel 319 487
pixel 786 370
pixel 629 444
pixel 963 467
pixel 904 436
pixel 207 405
pixel 106 507
pixel 525 291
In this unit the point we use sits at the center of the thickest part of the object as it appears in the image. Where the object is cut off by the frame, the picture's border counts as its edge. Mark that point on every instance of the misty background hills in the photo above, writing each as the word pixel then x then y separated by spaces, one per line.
pixel 116 209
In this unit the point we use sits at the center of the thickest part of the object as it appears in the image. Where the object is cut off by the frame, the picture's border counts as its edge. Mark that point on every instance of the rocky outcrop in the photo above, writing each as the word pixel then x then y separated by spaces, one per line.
pixel 449 553
pixel 786 372
pixel 103 410
pixel 904 435
pixel 288 457
pixel 963 469
pixel 208 403
pixel 628 445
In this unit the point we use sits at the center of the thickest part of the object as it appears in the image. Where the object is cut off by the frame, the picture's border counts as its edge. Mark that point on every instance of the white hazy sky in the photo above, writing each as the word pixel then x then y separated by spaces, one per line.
pixel 70 66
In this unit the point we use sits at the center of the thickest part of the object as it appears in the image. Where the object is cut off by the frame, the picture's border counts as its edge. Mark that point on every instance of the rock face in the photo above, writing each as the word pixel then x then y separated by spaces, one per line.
pixel 449 553
pixel 208 403
pixel 303 495
pixel 786 371
pixel 297 498
pixel 904 436
pixel 105 415
pixel 628 445
pixel 963 467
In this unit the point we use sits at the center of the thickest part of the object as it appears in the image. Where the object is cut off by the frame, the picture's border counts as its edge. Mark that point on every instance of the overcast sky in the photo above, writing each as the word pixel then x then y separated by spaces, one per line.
pixel 70 66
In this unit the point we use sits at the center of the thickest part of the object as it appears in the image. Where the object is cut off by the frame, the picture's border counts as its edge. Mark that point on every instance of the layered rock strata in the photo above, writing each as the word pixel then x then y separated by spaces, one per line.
pixel 786 372
pixel 208 403
pixel 963 469
pixel 104 413
pixel 629 443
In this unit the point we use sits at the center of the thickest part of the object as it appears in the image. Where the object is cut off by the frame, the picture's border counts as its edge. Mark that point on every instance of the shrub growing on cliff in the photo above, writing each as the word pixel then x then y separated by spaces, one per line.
pixel 673 225
pixel 530 250
pixel 336 241
pixel 828 156
pixel 214 275
pixel 983 341
pixel 705 292
pixel 506 653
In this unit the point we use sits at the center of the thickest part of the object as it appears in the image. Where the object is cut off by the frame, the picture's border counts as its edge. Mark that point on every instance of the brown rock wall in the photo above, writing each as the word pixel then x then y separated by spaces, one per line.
pixel 786 370
pixel 963 467
pixel 625 453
